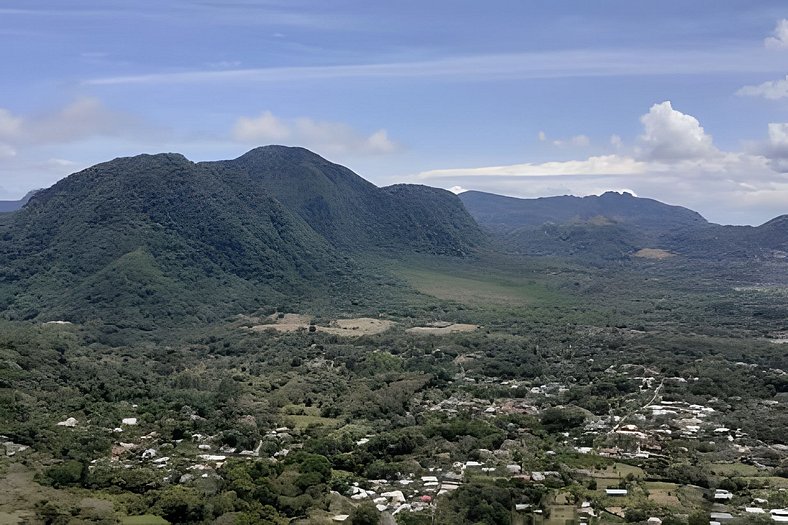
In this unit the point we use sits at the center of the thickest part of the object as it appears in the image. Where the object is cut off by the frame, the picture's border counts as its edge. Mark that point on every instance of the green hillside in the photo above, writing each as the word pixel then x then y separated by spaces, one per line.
pixel 354 214
pixel 156 236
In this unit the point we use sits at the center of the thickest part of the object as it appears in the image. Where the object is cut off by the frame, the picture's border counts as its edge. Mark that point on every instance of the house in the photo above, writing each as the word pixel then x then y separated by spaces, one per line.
pixel 616 492
pixel 720 494
pixel 720 517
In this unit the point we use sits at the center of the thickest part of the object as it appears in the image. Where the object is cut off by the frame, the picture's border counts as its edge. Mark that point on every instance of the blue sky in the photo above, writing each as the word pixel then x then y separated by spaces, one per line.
pixel 686 102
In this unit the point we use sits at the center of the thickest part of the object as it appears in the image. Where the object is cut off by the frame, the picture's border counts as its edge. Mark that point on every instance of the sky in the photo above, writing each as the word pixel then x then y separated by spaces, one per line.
pixel 684 102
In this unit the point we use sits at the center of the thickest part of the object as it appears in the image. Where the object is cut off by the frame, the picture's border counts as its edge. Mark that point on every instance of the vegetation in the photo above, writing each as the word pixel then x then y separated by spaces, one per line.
pixel 169 396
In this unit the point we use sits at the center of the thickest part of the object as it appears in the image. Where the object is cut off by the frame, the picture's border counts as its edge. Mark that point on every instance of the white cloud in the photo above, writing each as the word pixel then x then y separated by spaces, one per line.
pixel 616 141
pixel 776 150
pixel 335 137
pixel 457 190
pixel 263 128
pixel 83 118
pixel 593 166
pixel 780 38
pixel 771 90
pixel 542 136
pixel 578 141
pixel 670 135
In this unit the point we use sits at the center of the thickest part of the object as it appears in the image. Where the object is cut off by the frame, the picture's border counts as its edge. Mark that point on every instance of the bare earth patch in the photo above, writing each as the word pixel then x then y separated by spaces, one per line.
pixel 653 253
pixel 288 323
pixel 341 327
pixel 357 327
pixel 441 328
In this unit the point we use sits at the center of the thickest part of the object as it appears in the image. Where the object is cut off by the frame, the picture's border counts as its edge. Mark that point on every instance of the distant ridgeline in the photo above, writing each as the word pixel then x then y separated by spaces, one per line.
pixel 9 206
pixel 618 226
pixel 136 241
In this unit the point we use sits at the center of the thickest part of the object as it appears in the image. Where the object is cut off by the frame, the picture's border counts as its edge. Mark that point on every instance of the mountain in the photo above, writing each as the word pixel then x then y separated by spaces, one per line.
pixel 617 226
pixel 137 241
pixel 355 215
pixel 508 213
pixel 9 206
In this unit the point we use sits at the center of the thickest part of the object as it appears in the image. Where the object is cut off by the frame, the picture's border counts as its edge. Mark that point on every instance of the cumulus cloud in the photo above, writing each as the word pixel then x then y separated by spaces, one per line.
pixel 776 150
pixel 670 135
pixel 335 137
pixel 771 90
pixel 262 128
pixel 616 141
pixel 779 40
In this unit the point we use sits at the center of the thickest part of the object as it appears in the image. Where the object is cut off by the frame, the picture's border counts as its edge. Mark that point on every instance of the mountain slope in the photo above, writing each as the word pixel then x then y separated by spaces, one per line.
pixel 172 233
pixel 138 241
pixel 616 226
pixel 509 213
pixel 354 214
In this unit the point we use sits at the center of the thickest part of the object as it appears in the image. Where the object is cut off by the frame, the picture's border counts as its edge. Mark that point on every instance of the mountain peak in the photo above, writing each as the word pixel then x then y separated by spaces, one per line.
pixel 276 151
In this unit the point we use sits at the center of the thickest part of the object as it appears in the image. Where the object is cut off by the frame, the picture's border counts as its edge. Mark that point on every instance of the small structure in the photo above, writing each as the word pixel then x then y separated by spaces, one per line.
pixel 722 495
pixel 616 492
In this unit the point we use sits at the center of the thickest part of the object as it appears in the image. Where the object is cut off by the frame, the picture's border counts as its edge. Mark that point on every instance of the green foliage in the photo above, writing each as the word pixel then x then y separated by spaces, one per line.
pixel 557 419
pixel 365 514
pixel 476 503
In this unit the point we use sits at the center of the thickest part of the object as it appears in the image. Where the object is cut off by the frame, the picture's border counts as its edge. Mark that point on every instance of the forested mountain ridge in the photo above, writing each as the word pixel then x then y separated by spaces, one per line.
pixel 615 226
pixel 354 214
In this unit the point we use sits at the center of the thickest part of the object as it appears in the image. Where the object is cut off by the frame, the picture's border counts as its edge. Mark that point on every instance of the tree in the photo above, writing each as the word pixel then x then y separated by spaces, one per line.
pixel 365 514
pixel 698 517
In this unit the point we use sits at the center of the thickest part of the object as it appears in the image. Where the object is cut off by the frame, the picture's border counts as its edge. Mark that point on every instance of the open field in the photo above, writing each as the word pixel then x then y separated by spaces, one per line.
pixel 442 328
pixel 654 253
pixel 734 469
pixel 341 327
pixel 467 284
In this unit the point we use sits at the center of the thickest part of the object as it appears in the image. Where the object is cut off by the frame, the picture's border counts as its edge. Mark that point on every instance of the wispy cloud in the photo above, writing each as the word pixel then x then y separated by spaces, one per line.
pixel 602 165
pixel 549 64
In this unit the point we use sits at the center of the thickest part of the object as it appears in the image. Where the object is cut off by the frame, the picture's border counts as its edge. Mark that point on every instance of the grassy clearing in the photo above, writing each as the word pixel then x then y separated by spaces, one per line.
pixel 301 417
pixel 664 494
pixel 733 469
pixel 771 481
pixel 466 284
